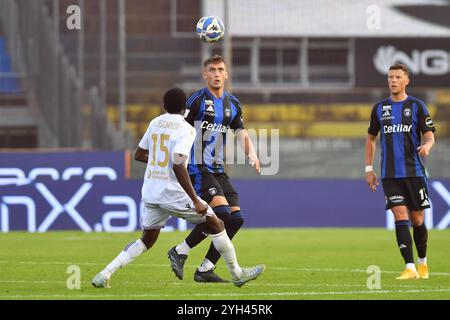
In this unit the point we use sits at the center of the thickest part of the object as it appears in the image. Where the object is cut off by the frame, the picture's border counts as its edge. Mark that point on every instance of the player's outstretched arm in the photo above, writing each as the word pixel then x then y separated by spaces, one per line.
pixel 427 143
pixel 371 177
pixel 141 155
pixel 248 147
pixel 179 168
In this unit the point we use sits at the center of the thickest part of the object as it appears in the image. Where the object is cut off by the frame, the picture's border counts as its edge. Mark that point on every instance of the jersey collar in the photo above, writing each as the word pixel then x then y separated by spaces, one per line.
pixel 213 96
pixel 392 101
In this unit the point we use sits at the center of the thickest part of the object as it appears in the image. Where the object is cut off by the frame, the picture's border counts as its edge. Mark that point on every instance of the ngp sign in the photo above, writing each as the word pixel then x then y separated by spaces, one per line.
pixel 430 62
pixel 427 59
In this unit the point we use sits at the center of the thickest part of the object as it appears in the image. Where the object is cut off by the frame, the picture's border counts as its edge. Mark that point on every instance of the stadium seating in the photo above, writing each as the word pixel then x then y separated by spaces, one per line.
pixel 292 120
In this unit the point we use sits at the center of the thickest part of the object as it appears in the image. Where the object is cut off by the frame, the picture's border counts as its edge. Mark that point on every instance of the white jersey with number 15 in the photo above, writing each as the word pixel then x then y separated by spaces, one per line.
pixel 166 135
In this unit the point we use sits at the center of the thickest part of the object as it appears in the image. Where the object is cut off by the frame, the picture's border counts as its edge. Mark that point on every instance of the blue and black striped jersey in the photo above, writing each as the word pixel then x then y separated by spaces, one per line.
pixel 211 117
pixel 401 124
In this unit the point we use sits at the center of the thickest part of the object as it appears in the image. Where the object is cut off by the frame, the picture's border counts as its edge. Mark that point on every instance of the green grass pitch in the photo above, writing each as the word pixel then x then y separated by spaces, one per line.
pixel 301 264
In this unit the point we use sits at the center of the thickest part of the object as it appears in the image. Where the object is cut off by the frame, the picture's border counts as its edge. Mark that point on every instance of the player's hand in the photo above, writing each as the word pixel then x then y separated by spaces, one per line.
pixel 371 179
pixel 201 207
pixel 424 150
pixel 254 161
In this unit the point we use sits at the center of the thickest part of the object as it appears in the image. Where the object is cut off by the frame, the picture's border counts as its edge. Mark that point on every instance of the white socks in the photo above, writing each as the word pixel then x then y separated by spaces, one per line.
pixel 226 250
pixel 130 253
pixel 422 260
pixel 183 248
pixel 220 240
pixel 411 266
pixel 206 266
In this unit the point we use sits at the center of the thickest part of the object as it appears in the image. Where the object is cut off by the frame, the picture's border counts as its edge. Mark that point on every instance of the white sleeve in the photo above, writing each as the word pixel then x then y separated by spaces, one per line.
pixel 184 141
pixel 144 143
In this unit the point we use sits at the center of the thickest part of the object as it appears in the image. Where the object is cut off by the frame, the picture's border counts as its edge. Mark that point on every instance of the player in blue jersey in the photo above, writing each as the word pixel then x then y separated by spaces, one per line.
pixel 212 111
pixel 407 134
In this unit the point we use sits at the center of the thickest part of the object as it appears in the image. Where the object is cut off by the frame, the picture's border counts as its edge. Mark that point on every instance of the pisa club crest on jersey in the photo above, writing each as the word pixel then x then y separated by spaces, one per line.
pixel 407 112
pixel 227 112
pixel 212 191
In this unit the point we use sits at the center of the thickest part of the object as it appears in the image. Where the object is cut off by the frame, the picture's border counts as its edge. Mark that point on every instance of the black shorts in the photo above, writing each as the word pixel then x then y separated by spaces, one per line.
pixel 410 192
pixel 207 185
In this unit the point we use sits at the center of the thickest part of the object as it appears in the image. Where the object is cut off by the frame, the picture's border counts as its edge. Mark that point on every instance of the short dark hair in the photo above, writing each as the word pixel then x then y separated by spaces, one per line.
pixel 213 60
pixel 400 66
pixel 175 100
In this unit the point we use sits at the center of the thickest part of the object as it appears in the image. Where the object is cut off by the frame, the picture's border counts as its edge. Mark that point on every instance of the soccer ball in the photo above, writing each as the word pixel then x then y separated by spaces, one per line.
pixel 210 29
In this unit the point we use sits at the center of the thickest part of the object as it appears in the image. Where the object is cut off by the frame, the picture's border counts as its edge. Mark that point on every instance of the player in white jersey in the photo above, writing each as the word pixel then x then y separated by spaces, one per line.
pixel 168 191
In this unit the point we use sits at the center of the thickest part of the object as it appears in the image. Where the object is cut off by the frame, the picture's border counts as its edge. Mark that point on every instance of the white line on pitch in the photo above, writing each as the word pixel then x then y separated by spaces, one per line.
pixel 346 270
pixel 251 294
pixel 256 284
pixel 193 266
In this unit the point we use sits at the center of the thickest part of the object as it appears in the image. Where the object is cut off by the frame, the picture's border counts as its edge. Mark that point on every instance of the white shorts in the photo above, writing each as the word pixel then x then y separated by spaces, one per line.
pixel 155 216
